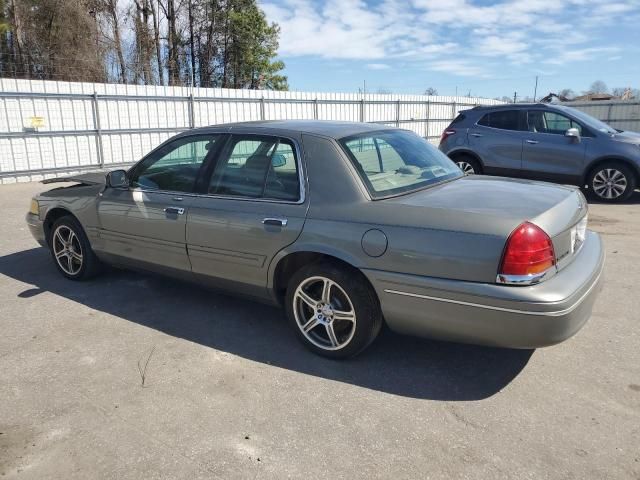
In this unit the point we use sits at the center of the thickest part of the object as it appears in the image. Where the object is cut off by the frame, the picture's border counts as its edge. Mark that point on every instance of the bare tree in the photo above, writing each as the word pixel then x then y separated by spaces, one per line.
pixel 144 49
pixel 110 7
pixel 156 40
pixel 598 87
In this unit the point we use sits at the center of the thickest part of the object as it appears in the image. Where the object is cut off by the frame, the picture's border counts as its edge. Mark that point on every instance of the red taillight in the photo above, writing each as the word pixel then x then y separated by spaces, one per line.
pixel 447 133
pixel 528 251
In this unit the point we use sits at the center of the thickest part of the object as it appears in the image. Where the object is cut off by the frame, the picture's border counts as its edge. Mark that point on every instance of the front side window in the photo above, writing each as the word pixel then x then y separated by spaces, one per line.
pixel 175 166
pixel 257 167
pixel 397 161
pixel 541 121
pixel 504 120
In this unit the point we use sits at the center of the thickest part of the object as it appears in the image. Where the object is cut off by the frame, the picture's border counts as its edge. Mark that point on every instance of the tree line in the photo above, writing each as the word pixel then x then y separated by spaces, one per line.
pixel 207 43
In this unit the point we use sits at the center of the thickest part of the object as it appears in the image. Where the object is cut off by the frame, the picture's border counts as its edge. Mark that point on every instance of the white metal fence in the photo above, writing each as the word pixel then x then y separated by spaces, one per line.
pixel 620 114
pixel 51 127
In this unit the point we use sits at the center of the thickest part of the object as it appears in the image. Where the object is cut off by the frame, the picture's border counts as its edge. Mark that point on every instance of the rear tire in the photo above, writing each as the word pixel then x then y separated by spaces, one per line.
pixel 468 165
pixel 333 310
pixel 71 251
pixel 612 182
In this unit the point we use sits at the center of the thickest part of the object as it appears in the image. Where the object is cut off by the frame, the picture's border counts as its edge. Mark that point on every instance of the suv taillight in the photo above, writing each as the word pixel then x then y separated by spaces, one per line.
pixel 446 134
pixel 528 251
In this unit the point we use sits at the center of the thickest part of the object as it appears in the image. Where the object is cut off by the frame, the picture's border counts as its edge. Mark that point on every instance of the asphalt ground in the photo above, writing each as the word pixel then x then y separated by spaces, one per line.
pixel 230 393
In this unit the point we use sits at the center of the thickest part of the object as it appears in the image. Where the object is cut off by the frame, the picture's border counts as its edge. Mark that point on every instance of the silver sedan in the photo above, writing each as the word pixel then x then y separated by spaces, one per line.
pixel 346 225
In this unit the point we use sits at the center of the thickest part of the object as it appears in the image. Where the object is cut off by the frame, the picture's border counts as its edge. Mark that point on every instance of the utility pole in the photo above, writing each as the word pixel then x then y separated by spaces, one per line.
pixel 515 96
pixel 535 90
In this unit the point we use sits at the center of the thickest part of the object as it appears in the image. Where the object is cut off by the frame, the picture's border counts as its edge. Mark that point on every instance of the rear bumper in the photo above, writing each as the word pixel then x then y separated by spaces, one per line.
pixel 36 228
pixel 497 315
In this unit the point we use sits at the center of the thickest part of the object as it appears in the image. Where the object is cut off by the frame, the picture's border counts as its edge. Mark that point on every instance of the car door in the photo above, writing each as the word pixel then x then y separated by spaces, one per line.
pixel 252 207
pixel 146 221
pixel 497 138
pixel 550 155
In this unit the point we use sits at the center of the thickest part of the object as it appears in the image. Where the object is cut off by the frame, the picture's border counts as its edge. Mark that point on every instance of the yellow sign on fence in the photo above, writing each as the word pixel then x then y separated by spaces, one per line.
pixel 37 122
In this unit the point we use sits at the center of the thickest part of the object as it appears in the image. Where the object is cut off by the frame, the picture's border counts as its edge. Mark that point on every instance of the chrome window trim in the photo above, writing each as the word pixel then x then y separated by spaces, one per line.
pixel 301 178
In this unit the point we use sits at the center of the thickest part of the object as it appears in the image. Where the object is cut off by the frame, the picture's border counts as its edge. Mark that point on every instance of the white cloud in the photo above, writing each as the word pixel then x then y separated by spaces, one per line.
pixel 378 66
pixel 458 67
pixel 575 55
pixel 513 32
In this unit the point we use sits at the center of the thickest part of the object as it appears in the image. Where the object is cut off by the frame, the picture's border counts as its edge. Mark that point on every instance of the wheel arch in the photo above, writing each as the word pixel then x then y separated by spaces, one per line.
pixel 53 214
pixel 610 158
pixel 286 263
pixel 465 152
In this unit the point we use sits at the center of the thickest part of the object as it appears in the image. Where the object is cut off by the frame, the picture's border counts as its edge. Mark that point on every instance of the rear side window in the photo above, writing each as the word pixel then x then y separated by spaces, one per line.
pixel 257 167
pixel 504 120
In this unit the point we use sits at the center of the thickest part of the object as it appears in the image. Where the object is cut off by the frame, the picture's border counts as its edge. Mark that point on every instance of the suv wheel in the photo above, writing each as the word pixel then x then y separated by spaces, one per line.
pixel 333 310
pixel 468 165
pixel 612 182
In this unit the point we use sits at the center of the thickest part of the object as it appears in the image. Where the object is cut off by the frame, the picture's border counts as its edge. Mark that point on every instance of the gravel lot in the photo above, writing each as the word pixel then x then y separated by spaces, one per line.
pixel 231 394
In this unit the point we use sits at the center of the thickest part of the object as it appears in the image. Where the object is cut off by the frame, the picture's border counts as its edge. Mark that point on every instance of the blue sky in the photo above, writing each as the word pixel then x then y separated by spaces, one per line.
pixel 488 48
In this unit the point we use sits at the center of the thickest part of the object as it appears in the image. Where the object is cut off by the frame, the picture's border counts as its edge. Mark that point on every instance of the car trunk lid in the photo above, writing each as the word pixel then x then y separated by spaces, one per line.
pixel 496 206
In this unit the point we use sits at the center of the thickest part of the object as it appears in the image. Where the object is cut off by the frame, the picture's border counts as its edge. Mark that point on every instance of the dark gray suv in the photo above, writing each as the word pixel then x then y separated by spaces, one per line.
pixel 546 142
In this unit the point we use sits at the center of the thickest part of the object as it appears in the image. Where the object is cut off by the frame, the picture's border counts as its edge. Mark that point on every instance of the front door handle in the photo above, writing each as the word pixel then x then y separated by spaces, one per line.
pixel 174 210
pixel 477 135
pixel 532 142
pixel 276 221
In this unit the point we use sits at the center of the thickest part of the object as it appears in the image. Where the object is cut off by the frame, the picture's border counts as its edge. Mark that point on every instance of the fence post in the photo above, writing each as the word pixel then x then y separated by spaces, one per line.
pixel 315 108
pixel 454 109
pixel 192 111
pixel 428 118
pixel 398 113
pixel 262 117
pixel 362 109
pixel 96 123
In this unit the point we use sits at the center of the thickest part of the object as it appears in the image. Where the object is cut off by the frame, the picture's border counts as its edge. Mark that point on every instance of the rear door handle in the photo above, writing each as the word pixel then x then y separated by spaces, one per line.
pixel 532 142
pixel 174 210
pixel 477 135
pixel 277 221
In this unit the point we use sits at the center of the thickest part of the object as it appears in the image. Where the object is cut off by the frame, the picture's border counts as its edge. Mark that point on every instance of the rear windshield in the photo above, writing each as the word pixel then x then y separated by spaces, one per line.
pixel 397 161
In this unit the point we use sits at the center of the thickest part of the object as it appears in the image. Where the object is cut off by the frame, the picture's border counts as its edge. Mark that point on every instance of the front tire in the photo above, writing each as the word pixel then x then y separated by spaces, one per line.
pixel 71 251
pixel 333 310
pixel 612 182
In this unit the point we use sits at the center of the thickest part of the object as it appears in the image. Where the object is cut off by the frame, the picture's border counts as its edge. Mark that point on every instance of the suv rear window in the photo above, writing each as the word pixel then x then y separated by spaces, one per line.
pixel 458 119
pixel 504 120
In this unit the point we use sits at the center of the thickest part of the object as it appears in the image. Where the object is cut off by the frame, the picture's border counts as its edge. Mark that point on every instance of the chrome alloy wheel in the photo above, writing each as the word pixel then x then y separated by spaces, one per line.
pixel 324 313
pixel 67 250
pixel 609 183
pixel 466 167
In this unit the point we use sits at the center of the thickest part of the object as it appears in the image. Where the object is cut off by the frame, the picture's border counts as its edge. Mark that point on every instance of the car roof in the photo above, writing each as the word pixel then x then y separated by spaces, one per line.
pixel 326 128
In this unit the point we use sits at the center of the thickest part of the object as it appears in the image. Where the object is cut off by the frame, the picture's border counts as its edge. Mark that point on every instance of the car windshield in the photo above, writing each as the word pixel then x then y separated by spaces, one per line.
pixel 591 121
pixel 397 161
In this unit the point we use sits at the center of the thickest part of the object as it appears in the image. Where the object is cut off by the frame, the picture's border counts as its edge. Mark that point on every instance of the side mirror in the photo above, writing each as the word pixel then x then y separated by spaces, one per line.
pixel 573 133
pixel 278 160
pixel 117 179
